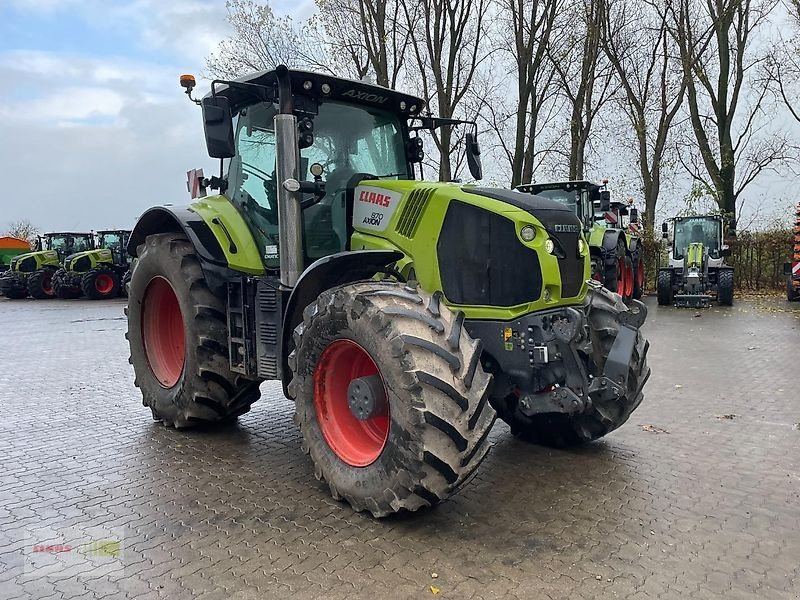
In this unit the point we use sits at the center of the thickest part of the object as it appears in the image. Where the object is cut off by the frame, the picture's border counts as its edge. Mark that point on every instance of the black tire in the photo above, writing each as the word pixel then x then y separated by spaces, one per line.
pixel 101 283
pixel 638 277
pixel 725 287
pixel 664 288
pixel 206 391
pixel 62 287
pixel 40 284
pixel 561 430
pixel 123 286
pixel 11 287
pixel 791 292
pixel 440 416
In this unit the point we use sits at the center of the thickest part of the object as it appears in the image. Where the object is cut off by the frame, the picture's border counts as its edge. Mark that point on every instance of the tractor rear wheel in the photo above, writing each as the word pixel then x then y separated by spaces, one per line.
pixel 725 287
pixel 792 293
pixel 40 284
pixel 100 284
pixel 177 333
pixel 619 273
pixel 638 281
pixel 11 287
pixel 664 288
pixel 562 430
pixel 62 288
pixel 391 399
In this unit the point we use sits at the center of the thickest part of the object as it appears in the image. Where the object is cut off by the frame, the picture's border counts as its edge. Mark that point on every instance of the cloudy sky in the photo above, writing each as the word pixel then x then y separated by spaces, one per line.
pixel 94 127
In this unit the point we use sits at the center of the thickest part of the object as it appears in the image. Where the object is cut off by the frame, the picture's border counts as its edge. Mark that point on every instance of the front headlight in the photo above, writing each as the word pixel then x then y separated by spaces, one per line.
pixel 549 246
pixel 527 233
pixel 581 246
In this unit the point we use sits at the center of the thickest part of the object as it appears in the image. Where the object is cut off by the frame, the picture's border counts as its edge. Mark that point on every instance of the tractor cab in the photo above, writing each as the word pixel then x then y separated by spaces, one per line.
pixel 589 201
pixel 65 244
pixel 346 132
pixel 116 241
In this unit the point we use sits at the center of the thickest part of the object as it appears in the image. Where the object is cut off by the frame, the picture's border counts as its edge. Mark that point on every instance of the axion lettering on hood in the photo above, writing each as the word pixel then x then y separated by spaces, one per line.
pixel 374 207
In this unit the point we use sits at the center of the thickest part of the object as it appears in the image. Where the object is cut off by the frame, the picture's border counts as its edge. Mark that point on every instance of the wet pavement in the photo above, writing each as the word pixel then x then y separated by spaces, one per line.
pixel 698 495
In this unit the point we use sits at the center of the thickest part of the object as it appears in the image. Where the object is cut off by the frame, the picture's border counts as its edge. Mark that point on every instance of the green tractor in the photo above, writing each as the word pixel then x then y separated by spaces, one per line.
pixel 398 314
pixel 99 273
pixel 32 273
pixel 616 249
pixel 697 271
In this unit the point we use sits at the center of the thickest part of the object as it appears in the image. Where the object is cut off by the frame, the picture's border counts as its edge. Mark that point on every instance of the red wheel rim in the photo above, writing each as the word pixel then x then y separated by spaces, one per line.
pixel 47 285
pixel 356 443
pixel 104 283
pixel 628 279
pixel 640 273
pixel 622 276
pixel 162 332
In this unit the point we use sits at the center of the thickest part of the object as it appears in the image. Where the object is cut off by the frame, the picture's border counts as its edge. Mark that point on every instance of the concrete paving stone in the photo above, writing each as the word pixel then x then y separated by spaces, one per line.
pixel 710 509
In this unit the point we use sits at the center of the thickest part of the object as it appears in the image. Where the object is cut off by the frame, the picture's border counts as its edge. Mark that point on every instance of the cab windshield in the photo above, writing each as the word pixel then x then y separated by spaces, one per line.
pixel 348 139
pixel 112 241
pixel 568 199
pixel 697 229
pixel 69 244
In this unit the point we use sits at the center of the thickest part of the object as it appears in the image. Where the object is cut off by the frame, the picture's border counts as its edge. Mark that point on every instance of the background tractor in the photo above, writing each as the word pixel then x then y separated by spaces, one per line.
pixel 32 273
pixel 398 314
pixel 697 271
pixel 615 248
pixel 792 269
pixel 97 273
pixel 9 248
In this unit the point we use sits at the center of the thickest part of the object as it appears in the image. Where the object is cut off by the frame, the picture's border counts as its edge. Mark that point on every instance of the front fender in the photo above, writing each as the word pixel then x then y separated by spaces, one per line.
pixel 324 274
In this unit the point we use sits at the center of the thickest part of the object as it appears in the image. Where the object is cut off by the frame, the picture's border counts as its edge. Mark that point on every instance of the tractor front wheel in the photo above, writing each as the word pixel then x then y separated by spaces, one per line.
pixel 390 396
pixel 177 333
pixel 725 287
pixel 559 430
pixel 40 284
pixel 62 287
pixel 100 284
pixel 664 288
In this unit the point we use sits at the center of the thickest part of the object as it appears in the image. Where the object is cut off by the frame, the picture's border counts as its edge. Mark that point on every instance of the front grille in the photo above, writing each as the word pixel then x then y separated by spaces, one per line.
pixel 412 211
pixel 481 261
pixel 26 265
pixel 570 264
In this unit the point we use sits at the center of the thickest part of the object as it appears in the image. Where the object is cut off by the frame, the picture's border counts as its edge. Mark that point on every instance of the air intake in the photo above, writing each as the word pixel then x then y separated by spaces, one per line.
pixel 412 211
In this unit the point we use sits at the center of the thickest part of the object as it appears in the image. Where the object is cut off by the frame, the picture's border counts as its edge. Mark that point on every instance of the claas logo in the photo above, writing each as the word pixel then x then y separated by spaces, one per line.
pixel 374 198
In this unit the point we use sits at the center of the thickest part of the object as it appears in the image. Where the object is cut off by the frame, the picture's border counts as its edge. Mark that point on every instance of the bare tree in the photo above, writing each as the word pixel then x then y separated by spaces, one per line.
pixel 24 230
pixel 370 35
pixel 636 41
pixel 585 77
pixel 447 41
pixel 262 40
pixel 525 34
pixel 783 67
pixel 714 40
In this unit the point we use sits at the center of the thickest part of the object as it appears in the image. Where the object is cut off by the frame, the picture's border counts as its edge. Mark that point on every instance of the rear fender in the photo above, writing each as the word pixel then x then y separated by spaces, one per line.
pixel 167 219
pixel 324 274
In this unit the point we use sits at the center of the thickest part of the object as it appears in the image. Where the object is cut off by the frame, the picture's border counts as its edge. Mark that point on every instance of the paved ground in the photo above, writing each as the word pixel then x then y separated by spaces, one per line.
pixel 697 496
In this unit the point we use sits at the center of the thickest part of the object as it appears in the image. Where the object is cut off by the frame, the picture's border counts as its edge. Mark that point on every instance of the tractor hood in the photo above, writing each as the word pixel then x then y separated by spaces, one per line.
pixel 21 262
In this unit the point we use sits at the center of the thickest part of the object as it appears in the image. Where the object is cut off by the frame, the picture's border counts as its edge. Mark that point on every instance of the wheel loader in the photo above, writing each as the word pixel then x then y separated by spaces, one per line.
pixel 611 228
pixel 32 273
pixel 400 315
pixel 697 272
pixel 99 273
pixel 792 269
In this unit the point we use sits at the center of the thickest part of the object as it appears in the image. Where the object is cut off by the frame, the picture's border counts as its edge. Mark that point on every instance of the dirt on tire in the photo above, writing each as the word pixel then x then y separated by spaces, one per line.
pixel 207 391
pixel 437 392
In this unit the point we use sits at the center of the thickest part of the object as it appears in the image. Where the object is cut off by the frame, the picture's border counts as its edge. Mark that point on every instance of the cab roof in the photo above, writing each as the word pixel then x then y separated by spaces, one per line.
pixel 73 233
pixel 308 90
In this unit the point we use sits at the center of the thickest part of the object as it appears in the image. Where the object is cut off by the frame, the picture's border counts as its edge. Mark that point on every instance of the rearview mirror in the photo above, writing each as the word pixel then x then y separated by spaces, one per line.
pixel 218 127
pixel 634 212
pixel 605 200
pixel 787 269
pixel 473 156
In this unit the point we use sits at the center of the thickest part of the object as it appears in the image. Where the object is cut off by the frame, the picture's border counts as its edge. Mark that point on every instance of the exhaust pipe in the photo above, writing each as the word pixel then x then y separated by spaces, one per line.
pixel 290 217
